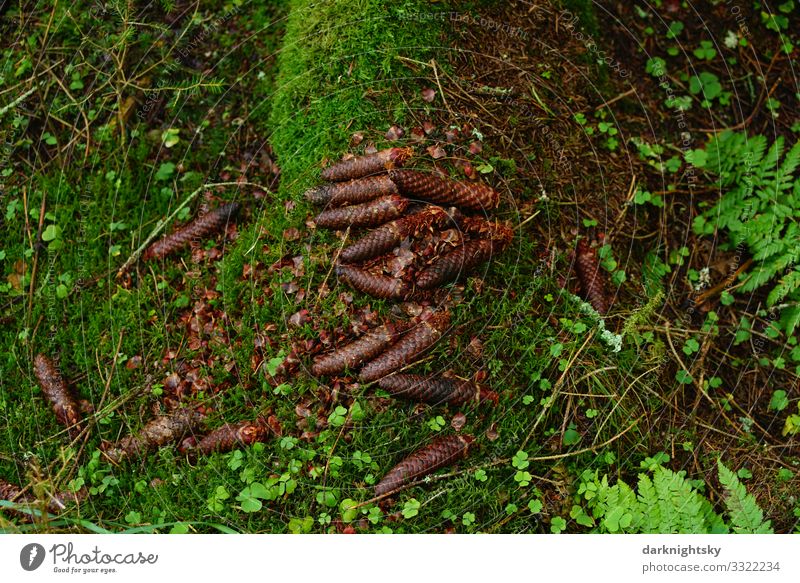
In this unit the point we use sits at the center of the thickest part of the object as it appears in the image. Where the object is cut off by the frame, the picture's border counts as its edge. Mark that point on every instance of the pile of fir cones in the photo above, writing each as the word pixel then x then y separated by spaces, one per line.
pixel 422 237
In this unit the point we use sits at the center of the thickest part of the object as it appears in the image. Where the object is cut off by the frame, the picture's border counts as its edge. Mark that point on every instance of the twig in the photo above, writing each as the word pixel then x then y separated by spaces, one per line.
pixel 36 252
pixel 630 91
pixel 722 285
pixel 438 83
pixel 17 101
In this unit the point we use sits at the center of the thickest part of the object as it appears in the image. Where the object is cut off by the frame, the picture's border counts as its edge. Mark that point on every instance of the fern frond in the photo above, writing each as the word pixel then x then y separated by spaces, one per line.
pixel 680 506
pixel 760 206
pixel 668 503
pixel 745 515
pixel 789 283
pixel 790 318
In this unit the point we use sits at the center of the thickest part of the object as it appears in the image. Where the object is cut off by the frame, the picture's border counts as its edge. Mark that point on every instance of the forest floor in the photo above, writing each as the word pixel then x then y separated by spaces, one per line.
pixel 566 116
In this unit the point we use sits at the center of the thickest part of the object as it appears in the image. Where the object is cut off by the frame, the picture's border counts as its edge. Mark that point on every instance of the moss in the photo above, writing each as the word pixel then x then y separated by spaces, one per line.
pixel 339 71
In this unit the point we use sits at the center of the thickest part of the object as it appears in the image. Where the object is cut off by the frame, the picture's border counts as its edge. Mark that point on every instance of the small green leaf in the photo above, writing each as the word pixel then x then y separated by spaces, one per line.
pixel 571 437
pixel 557 525
pixel 133 517
pixel 251 505
pixel 697 158
pixel 166 170
pixel 519 460
pixel 779 401
pixel 411 508
pixel 51 233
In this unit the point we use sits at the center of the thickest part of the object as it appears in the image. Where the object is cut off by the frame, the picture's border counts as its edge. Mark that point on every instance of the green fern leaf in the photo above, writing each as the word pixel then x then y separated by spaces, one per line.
pixel 790 319
pixel 746 517
pixel 789 283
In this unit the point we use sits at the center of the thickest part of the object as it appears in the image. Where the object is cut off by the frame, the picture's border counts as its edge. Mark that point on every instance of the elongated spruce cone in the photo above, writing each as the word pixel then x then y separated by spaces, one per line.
pixel 231 436
pixel 159 431
pixel 432 390
pixel 473 196
pixel 377 286
pixel 364 165
pixel 55 503
pixel 200 228
pixel 591 277
pixel 353 191
pixel 368 214
pixel 451 265
pixel 409 348
pixel 65 404
pixel 441 452
pixel 358 352
pixel 391 234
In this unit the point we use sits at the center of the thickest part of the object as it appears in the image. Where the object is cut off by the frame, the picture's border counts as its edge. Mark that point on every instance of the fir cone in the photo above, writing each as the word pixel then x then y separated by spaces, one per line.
pixel 377 286
pixel 55 503
pixel 451 265
pixel 65 404
pixel 391 234
pixel 232 435
pixel 473 196
pixel 440 453
pixel 10 492
pixel 356 353
pixel 590 275
pixel 412 345
pixel 368 214
pixel 198 229
pixel 432 390
pixel 353 191
pixel 364 165
pixel 159 431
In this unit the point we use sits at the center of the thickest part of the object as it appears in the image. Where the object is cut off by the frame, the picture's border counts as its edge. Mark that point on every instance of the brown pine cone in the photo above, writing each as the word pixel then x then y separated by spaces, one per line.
pixel 353 191
pixel 441 452
pixel 413 344
pixel 198 229
pixel 377 286
pixel 432 390
pixel 451 265
pixel 55 503
pixel 159 431
pixel 364 165
pixel 590 275
pixel 64 402
pixel 391 234
pixel 232 435
pixel 368 214
pixel 362 350
pixel 473 196
pixel 11 493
